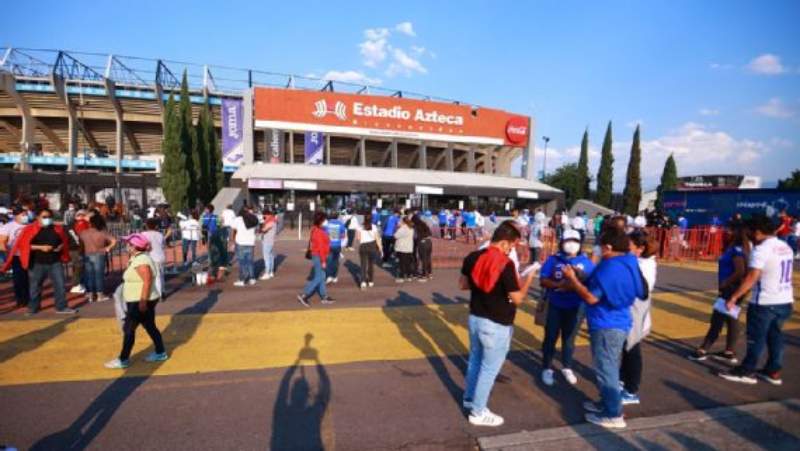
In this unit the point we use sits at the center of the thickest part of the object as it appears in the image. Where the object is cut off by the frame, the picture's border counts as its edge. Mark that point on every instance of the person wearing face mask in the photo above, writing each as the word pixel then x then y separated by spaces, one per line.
pixel 8 237
pixel 141 297
pixel 43 247
pixel 495 292
pixel 564 306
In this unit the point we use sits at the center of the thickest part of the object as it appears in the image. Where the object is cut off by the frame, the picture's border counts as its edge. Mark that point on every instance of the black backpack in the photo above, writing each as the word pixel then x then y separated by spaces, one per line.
pixel 250 220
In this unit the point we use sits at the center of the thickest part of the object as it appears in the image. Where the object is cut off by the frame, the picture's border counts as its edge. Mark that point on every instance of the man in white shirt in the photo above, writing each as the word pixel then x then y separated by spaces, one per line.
pixel 769 275
pixel 244 236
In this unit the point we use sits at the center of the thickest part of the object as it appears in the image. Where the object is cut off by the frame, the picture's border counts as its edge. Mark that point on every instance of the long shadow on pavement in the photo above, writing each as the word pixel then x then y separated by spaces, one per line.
pixel 299 409
pixel 90 423
pixel 32 340
pixel 755 434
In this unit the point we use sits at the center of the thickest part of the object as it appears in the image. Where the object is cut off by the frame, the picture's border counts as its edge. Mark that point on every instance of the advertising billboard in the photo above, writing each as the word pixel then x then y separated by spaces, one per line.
pixel 232 132
pixel 699 207
pixel 384 116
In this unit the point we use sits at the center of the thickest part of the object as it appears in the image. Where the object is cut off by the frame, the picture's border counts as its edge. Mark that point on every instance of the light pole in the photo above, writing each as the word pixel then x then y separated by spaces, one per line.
pixel 546 140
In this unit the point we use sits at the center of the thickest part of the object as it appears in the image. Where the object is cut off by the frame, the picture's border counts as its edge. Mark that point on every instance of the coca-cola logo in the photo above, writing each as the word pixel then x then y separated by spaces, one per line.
pixel 517 130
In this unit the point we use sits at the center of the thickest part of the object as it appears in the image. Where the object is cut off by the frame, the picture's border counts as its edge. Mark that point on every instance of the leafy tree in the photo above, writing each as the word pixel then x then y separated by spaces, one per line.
pixel 605 174
pixel 173 170
pixel 188 143
pixel 217 178
pixel 582 186
pixel 632 194
pixel 565 178
pixel 791 182
pixel 669 181
pixel 205 188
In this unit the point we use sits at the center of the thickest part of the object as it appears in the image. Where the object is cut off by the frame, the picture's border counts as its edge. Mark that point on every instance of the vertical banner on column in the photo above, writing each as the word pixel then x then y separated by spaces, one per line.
pixel 275 145
pixel 232 132
pixel 315 146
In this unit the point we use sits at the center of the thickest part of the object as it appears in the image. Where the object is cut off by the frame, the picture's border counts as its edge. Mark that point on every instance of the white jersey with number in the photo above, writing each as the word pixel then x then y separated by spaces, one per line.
pixel 774 258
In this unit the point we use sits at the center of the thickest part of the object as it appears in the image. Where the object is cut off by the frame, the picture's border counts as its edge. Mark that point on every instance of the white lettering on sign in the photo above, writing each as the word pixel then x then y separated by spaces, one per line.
pixel 233 123
pixel 397 112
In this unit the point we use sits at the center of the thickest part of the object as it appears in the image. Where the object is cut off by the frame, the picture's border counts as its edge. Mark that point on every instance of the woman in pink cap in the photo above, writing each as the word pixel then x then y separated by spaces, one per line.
pixel 141 296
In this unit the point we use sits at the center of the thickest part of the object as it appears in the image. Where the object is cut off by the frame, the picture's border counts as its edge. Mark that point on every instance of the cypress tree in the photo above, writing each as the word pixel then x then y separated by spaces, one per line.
pixel 669 181
pixel 188 142
pixel 173 179
pixel 632 194
pixel 582 184
pixel 204 185
pixel 216 177
pixel 605 174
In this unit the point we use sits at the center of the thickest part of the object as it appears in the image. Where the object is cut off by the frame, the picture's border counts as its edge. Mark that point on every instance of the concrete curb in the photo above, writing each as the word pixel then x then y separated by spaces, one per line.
pixel 588 431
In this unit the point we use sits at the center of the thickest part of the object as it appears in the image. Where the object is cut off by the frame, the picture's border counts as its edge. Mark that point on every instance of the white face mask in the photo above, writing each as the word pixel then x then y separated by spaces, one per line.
pixel 572 248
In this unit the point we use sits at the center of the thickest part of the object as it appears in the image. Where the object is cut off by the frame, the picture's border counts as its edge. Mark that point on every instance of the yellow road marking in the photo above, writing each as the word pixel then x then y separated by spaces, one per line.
pixel 37 351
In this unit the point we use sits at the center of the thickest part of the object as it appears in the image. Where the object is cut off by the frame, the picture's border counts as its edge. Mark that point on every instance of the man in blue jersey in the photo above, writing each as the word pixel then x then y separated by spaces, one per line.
pixel 389 228
pixel 336 232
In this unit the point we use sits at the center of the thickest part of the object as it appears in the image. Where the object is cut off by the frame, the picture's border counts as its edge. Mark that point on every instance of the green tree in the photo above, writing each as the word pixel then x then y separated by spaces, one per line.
pixel 582 186
pixel 205 188
pixel 217 179
pixel 173 178
pixel 791 182
pixel 669 181
pixel 632 194
pixel 565 178
pixel 188 142
pixel 605 174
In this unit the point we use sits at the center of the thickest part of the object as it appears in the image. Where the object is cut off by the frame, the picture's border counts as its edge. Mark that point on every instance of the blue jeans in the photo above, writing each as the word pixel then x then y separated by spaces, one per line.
pixel 269 257
pixel 244 255
pixel 564 322
pixel 37 274
pixel 764 328
pixel 94 267
pixel 606 354
pixel 189 246
pixel 317 282
pixel 488 346
pixel 333 261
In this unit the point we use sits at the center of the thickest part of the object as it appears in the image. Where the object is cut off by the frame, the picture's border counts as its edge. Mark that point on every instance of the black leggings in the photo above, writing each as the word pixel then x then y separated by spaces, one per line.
pixel 368 252
pixel 132 320
pixel 406 264
pixel 630 371
pixel 351 236
pixel 425 251
pixel 717 321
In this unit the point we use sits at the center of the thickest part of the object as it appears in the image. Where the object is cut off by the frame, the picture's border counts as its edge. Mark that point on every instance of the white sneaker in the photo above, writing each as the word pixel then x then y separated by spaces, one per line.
pixel 363 285
pixel 238 283
pixel 251 282
pixel 606 422
pixel 156 357
pixel 116 364
pixel 328 280
pixel 265 276
pixel 79 289
pixel 335 280
pixel 371 284
pixel 487 418
pixel 569 376
pixel 547 377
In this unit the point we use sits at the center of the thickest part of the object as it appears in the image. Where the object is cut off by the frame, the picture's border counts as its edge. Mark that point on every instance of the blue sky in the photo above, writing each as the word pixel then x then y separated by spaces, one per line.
pixel 717 83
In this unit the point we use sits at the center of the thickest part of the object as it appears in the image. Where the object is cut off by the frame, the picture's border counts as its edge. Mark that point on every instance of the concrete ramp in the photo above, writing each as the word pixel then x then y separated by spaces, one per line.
pixel 228 196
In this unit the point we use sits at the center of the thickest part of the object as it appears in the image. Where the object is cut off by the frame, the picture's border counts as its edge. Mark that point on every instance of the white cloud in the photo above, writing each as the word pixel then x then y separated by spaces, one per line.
pixel 374 48
pixel 780 142
pixel 404 64
pixel 406 28
pixel 418 50
pixel 351 76
pixel 708 111
pixel 775 108
pixel 720 66
pixel 766 64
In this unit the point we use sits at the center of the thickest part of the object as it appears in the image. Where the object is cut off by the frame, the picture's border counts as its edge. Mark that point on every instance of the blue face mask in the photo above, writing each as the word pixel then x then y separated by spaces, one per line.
pixel 24 219
pixel 47 222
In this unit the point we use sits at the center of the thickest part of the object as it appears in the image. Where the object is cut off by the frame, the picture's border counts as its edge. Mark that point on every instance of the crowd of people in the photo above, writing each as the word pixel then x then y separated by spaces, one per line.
pixel 611 290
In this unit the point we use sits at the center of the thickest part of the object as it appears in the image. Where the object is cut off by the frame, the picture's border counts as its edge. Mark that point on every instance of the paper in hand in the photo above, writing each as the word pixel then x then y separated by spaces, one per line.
pixel 530 269
pixel 720 306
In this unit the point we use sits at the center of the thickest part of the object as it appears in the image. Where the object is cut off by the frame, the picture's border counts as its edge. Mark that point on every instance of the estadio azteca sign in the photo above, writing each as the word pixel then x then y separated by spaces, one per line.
pixel 368 115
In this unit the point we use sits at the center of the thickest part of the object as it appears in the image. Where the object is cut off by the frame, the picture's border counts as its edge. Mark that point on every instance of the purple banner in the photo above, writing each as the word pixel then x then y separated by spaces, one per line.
pixel 315 147
pixel 232 132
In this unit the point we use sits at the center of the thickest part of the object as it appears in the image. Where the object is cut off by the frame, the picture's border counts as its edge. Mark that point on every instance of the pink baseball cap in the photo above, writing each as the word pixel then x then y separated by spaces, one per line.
pixel 137 240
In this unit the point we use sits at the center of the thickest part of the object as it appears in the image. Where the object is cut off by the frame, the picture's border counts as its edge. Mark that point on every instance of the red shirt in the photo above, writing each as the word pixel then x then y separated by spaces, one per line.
pixel 320 243
pixel 23 245
pixel 785 227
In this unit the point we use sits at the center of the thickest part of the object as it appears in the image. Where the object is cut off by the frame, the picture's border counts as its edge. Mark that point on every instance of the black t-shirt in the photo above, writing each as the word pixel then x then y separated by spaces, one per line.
pixel 494 305
pixel 47 235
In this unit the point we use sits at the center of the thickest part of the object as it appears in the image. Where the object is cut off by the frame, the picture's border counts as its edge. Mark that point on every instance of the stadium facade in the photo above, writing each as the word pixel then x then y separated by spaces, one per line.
pixel 288 140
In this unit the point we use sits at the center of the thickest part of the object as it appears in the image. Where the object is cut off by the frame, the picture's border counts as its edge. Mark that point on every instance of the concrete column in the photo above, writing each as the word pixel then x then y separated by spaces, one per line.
pixel 487 161
pixel 394 153
pixel 9 84
pixel 247 125
pixel 423 155
pixel 119 140
pixel 72 142
pixel 471 159
pixel 449 158
pixel 291 146
pixel 362 152
pixel 328 149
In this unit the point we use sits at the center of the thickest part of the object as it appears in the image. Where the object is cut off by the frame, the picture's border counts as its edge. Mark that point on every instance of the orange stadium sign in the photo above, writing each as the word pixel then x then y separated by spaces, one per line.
pixel 369 115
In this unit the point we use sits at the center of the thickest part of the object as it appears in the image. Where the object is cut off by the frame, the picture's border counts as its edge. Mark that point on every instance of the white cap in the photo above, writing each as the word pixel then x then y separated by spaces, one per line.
pixel 3 211
pixel 571 235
